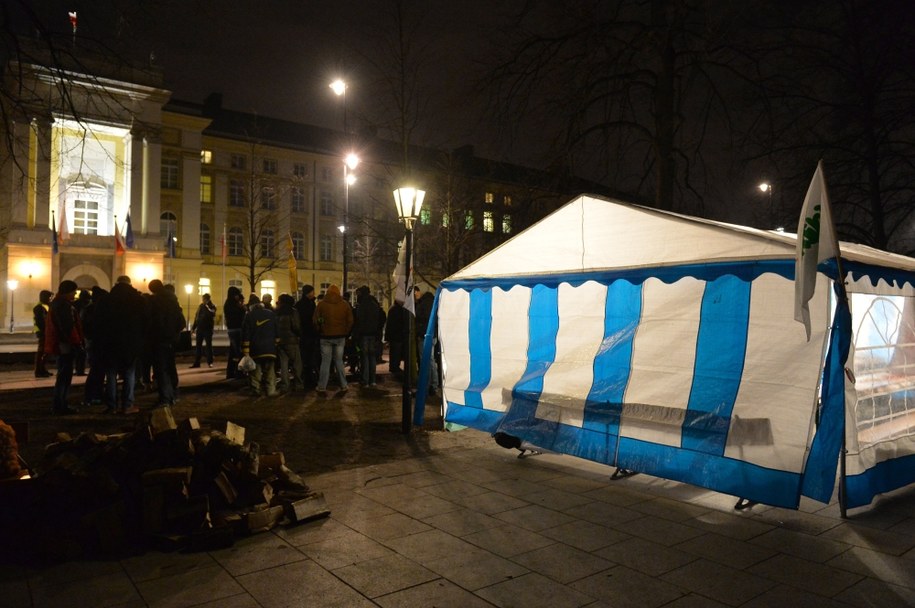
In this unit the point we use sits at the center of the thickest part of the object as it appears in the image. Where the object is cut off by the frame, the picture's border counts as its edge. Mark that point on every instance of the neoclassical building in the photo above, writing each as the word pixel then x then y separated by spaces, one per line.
pixel 216 197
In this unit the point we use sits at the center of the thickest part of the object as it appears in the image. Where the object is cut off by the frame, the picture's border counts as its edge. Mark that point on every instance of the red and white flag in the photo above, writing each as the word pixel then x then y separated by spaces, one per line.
pixel 64 228
pixel 73 20
pixel 120 245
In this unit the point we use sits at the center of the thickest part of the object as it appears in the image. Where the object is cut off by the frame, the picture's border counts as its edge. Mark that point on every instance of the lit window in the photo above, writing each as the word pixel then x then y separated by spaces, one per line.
pixel 169 173
pixel 506 224
pixel 468 220
pixel 206 188
pixel 203 286
pixel 268 287
pixel 235 241
pixel 327 248
pixel 488 224
pixel 204 238
pixel 507 200
pixel 236 193
pixel 488 198
pixel 425 216
pixel 268 244
pixel 298 199
pixel 270 166
pixel 168 223
pixel 239 161
pixel 324 288
pixel 327 203
pixel 300 170
pixel 446 220
pixel 236 283
pixel 298 245
pixel 85 217
pixel 206 156
pixel 268 197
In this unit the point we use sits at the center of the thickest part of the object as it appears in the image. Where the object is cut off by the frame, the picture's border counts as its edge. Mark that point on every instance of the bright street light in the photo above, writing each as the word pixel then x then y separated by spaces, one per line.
pixel 338 87
pixel 350 162
pixel 188 289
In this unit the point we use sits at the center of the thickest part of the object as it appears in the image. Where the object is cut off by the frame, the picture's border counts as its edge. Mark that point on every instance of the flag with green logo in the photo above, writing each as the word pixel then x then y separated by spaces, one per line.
pixel 816 241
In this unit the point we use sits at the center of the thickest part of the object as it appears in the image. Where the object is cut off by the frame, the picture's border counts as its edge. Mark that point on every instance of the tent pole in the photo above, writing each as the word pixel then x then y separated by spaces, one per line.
pixel 843 511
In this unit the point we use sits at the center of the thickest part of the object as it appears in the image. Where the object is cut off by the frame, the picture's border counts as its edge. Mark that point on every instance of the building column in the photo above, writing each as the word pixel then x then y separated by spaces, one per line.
pixel 150 205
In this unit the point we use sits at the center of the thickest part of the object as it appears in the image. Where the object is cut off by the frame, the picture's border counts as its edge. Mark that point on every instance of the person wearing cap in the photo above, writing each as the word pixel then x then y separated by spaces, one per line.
pixel 63 338
pixel 258 340
pixel 40 315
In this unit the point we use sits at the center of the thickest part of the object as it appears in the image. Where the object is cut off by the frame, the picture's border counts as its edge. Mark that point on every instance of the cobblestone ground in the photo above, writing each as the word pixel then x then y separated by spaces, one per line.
pixel 316 434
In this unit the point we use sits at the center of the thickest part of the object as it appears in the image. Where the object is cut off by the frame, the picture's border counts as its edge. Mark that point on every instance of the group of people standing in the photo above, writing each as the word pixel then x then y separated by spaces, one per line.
pixel 122 334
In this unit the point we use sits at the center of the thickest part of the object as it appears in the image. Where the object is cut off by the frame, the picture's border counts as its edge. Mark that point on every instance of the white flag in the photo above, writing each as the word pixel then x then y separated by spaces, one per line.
pixel 816 241
pixel 403 284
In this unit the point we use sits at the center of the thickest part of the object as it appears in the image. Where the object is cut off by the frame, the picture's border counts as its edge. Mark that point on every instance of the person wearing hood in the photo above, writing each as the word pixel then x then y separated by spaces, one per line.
pixel 333 317
pixel 308 340
pixel 259 339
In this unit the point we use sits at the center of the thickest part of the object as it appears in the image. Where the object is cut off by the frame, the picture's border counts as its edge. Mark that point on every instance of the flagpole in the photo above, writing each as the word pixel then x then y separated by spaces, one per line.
pixel 222 252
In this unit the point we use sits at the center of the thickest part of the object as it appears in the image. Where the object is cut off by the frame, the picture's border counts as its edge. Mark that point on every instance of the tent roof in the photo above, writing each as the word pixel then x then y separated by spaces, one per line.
pixel 594 235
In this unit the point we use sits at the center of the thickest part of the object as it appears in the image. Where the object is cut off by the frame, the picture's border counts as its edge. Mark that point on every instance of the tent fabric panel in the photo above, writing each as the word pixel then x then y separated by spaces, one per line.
pixel 776 402
pixel 578 339
pixel 480 324
pixel 720 349
pixel 454 339
pixel 508 340
pixel 663 359
pixel 885 476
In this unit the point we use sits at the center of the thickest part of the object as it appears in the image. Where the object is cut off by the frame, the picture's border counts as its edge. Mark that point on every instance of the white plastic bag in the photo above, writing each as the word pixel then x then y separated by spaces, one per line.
pixel 247 364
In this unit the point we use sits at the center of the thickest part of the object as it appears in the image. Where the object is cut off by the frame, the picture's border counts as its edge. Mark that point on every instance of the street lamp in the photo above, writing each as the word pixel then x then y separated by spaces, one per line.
pixel 349 178
pixel 188 289
pixel 339 88
pixel 12 284
pixel 408 202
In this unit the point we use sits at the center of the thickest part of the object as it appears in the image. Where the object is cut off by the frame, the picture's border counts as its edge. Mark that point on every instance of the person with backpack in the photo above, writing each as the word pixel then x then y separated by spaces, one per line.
pixel 204 322
pixel 368 325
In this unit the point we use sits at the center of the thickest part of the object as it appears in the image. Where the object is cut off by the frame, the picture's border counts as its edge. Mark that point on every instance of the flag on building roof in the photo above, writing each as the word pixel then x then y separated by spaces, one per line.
pixel 816 241
pixel 128 233
pixel 54 247
pixel 120 246
pixel 293 271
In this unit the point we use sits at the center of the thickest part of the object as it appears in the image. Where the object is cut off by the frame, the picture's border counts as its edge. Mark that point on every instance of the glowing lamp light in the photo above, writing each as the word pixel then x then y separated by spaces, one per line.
pixel 338 87
pixel 408 202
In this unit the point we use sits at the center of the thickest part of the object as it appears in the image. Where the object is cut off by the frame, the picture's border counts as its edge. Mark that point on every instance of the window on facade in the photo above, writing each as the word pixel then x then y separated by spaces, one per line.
pixel 239 161
pixel 236 193
pixel 85 217
pixel 488 223
pixel 327 203
pixel 168 223
pixel 468 220
pixel 298 245
pixel 270 166
pixel 446 220
pixel 235 241
pixel 326 174
pixel 507 200
pixel 300 170
pixel 425 216
pixel 506 224
pixel 268 197
pixel 268 287
pixel 327 248
pixel 488 198
pixel 236 283
pixel 206 188
pixel 169 173
pixel 203 286
pixel 206 157
pixel 298 200
pixel 268 244
pixel 205 239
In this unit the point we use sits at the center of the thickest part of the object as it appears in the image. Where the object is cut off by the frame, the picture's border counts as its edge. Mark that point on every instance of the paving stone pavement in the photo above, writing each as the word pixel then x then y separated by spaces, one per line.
pixel 464 523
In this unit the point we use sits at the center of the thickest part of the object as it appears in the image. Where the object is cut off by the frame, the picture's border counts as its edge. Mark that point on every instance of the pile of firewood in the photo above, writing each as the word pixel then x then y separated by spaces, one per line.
pixel 165 485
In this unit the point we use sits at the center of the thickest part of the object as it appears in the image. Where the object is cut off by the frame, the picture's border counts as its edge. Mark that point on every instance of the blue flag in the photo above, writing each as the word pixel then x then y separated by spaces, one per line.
pixel 128 233
pixel 54 246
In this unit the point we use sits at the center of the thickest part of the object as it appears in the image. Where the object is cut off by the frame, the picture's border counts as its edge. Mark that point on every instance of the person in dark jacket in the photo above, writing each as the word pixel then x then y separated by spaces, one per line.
pixel 165 322
pixel 204 322
pixel 423 302
pixel 233 313
pixel 120 341
pixel 289 330
pixel 395 334
pixel 334 319
pixel 94 388
pixel 39 316
pixel 80 361
pixel 368 324
pixel 63 337
pixel 308 340
pixel 259 338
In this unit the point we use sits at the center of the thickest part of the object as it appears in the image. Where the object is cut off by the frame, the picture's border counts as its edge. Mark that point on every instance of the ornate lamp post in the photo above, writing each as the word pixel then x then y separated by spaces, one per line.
pixel 188 289
pixel 408 202
pixel 12 284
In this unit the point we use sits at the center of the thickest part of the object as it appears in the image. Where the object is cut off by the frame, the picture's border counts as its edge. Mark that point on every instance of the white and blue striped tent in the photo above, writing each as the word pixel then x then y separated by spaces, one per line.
pixel 666 344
